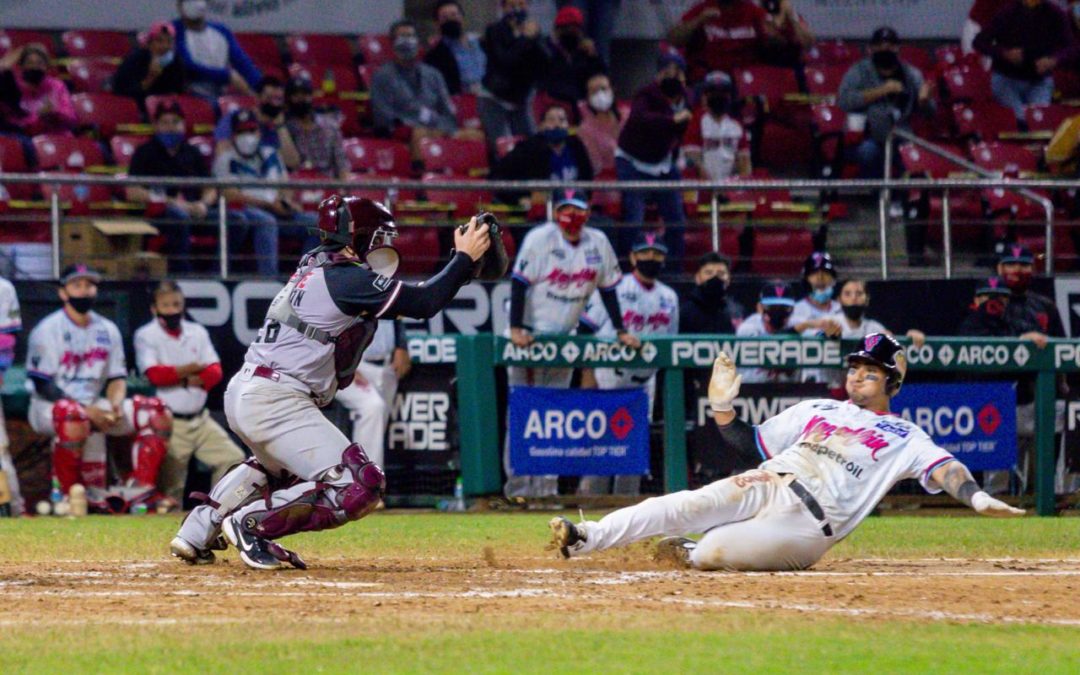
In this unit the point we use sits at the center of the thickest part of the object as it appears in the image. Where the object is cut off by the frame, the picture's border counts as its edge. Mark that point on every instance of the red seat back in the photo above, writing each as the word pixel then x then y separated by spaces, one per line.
pixel 379 156
pixel 919 162
pixel 91 75
pixel 1008 158
pixel 985 120
pixel 467 115
pixel 824 80
pixel 965 84
pixel 768 82
pixel 780 251
pixel 319 48
pixel 67 153
pixel 105 111
pixel 835 53
pixel 466 202
pixel 96 43
pixel 328 78
pixel 1048 117
pixel 262 49
pixel 197 111
pixel 11 38
pixel 458 157
pixel 376 49
pixel 233 102
pixel 827 118
pixel 124 147
pixel 917 56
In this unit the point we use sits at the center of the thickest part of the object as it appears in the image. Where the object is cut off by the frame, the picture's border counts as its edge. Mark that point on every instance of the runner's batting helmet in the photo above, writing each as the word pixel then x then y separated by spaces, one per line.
pixel 884 352
pixel 365 225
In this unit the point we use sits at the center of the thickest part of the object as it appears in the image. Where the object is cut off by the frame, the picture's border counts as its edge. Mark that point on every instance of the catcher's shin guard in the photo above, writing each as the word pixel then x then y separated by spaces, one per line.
pixel 346 492
pixel 153 427
pixel 241 485
pixel 72 427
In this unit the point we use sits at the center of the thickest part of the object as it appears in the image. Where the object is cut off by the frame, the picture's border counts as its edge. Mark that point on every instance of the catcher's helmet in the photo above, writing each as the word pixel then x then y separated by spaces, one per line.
pixel 885 352
pixel 818 260
pixel 365 225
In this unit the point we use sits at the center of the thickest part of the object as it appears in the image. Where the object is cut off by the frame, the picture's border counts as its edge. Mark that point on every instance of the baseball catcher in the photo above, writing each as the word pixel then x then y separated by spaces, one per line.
pixel 305 474
pixel 827 465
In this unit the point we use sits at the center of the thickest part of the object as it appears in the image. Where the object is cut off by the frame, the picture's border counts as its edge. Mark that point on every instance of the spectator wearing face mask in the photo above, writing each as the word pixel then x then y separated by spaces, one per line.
pixel 409 98
pixel 515 63
pixel 152 68
pixel 550 154
pixel 707 309
pixel 457 55
pixel 986 316
pixel 263 211
pixel 318 140
pixel 572 59
pixel 601 123
pixel 648 148
pixel 773 318
pixel 716 142
pixel 44 103
pixel 270 113
pixel 168 154
pixel 888 92
pixel 600 19
pixel 213 59
pixel 818 312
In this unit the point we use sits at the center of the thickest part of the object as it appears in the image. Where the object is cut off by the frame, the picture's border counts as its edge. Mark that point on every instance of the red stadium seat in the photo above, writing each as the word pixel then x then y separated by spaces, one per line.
pixel 310 198
pixel 378 156
pixel 319 48
pixel 919 162
pixel 328 78
pixel 13 160
pixel 466 202
pixel 949 56
pixel 376 49
pixel 917 56
pixel 232 102
pixel 965 84
pixel 96 43
pixel 828 126
pixel 1048 117
pixel 467 115
pixel 198 113
pixel 1007 158
pixel 984 120
pixel 458 157
pixel 780 250
pixel 834 53
pixel 262 49
pixel 67 153
pixel 11 38
pixel 91 75
pixel 105 112
pixel 824 80
pixel 770 83
pixel 419 248
pixel 354 114
pixel 123 148
pixel 71 193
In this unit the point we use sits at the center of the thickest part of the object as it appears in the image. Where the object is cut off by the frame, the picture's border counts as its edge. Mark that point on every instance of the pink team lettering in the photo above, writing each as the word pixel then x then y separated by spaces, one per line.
pixel 817 430
pixel 634 321
pixel 73 360
pixel 562 279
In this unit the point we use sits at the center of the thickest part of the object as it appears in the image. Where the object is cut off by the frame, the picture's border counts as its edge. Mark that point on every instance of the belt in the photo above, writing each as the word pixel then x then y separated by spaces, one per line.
pixel 182 416
pixel 811 504
pixel 266 372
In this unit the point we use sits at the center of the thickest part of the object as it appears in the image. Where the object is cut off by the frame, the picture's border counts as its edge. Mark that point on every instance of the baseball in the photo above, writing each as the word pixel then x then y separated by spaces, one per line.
pixel 43 508
pixel 62 509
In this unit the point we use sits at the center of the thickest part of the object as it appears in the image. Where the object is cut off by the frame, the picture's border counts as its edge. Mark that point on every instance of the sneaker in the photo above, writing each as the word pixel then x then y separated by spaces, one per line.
pixel 180 548
pixel 675 551
pixel 565 535
pixel 254 551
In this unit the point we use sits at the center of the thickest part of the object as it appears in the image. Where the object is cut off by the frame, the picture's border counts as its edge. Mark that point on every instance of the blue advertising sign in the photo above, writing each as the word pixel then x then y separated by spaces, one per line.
pixel 575 432
pixel 975 422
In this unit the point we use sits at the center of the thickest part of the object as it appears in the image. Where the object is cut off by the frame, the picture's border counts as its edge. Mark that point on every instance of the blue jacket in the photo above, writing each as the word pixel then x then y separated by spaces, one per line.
pixel 238 59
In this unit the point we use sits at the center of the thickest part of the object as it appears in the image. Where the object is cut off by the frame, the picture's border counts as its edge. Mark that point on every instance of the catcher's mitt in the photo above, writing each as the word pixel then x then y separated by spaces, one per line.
pixel 495 262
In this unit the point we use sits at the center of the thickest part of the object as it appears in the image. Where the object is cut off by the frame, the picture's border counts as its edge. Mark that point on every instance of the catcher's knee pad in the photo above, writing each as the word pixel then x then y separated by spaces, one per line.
pixel 151 416
pixel 239 486
pixel 71 423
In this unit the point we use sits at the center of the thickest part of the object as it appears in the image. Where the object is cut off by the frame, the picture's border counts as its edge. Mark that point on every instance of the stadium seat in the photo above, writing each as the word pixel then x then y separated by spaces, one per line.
pixel 375 49
pixel 96 43
pixel 91 75
pixel 262 49
pixel 105 112
pixel 1048 117
pixel 467 115
pixel 198 113
pixel 833 53
pixel 458 157
pixel 917 56
pixel 466 202
pixel 123 148
pixel 327 78
pixel 698 241
pixel 355 114
pixel 232 102
pixel 13 160
pixel 419 248
pixel 780 251
pixel 319 48
pixel 824 80
pixel 770 83
pixel 828 125
pixel 1066 83
pixel 64 153
pixel 11 38
pixel 966 84
pixel 984 120
pixel 919 162
pixel 1007 158
pixel 310 198
pixel 91 194
pixel 378 156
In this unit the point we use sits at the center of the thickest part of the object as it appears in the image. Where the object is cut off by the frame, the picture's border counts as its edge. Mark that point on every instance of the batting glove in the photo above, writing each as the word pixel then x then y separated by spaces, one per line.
pixel 988 506
pixel 724 385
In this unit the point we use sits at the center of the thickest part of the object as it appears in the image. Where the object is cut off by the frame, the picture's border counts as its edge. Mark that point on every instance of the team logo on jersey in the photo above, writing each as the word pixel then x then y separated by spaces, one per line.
pixel 563 279
pixel 102 337
pixel 382 282
pixel 593 259
pixel 893 428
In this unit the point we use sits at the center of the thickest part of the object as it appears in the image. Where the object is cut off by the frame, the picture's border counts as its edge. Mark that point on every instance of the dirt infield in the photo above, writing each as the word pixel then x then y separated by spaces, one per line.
pixel 163 591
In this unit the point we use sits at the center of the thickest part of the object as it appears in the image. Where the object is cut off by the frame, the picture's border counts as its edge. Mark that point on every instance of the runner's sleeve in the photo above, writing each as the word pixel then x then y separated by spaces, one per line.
pixel 782 430
pixel 925 456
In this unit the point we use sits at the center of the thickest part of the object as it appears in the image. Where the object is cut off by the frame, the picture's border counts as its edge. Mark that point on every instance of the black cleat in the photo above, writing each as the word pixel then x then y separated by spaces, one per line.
pixel 565 535
pixel 254 551
pixel 675 551
pixel 180 548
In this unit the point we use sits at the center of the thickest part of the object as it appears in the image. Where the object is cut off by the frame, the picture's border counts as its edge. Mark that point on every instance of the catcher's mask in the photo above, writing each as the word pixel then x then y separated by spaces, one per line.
pixel 365 225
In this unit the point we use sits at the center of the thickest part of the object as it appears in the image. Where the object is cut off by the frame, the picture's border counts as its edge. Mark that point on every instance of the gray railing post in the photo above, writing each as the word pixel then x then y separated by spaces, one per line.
pixel 54 226
pixel 946 232
pixel 714 202
pixel 1048 207
pixel 223 235
pixel 883 207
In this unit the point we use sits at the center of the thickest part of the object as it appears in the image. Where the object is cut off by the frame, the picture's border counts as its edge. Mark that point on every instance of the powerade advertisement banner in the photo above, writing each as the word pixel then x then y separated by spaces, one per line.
pixel 578 432
pixel 975 422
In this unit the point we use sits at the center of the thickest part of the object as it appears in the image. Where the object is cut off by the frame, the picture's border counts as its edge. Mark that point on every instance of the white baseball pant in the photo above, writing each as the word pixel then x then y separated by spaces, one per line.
pixel 7 466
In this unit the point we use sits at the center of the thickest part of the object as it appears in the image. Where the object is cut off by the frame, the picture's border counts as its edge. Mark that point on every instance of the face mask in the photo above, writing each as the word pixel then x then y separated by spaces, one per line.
pixel 193 10
pixel 777 317
pixel 713 290
pixel 601 100
pixel 451 30
pixel 823 296
pixel 172 321
pixel 170 139
pixel 994 306
pixel 247 144
pixel 1017 281
pixel 570 41
pixel 854 312
pixel 81 305
pixel 571 222
pixel 33 76
pixel 300 109
pixel 718 103
pixel 886 61
pixel 555 136
pixel 650 269
pixel 406 48
pixel 165 59
pixel 671 87
pixel 271 110
pixel 518 16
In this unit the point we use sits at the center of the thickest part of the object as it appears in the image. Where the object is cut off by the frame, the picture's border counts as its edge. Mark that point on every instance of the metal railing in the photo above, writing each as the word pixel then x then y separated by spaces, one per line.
pixel 946 219
pixel 882 187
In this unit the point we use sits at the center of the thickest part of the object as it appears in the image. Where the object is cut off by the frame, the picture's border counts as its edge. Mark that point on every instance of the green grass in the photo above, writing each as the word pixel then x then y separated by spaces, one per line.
pixel 502 637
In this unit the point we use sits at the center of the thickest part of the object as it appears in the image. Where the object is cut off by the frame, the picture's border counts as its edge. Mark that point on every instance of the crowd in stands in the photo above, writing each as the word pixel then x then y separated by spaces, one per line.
pixel 741 89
